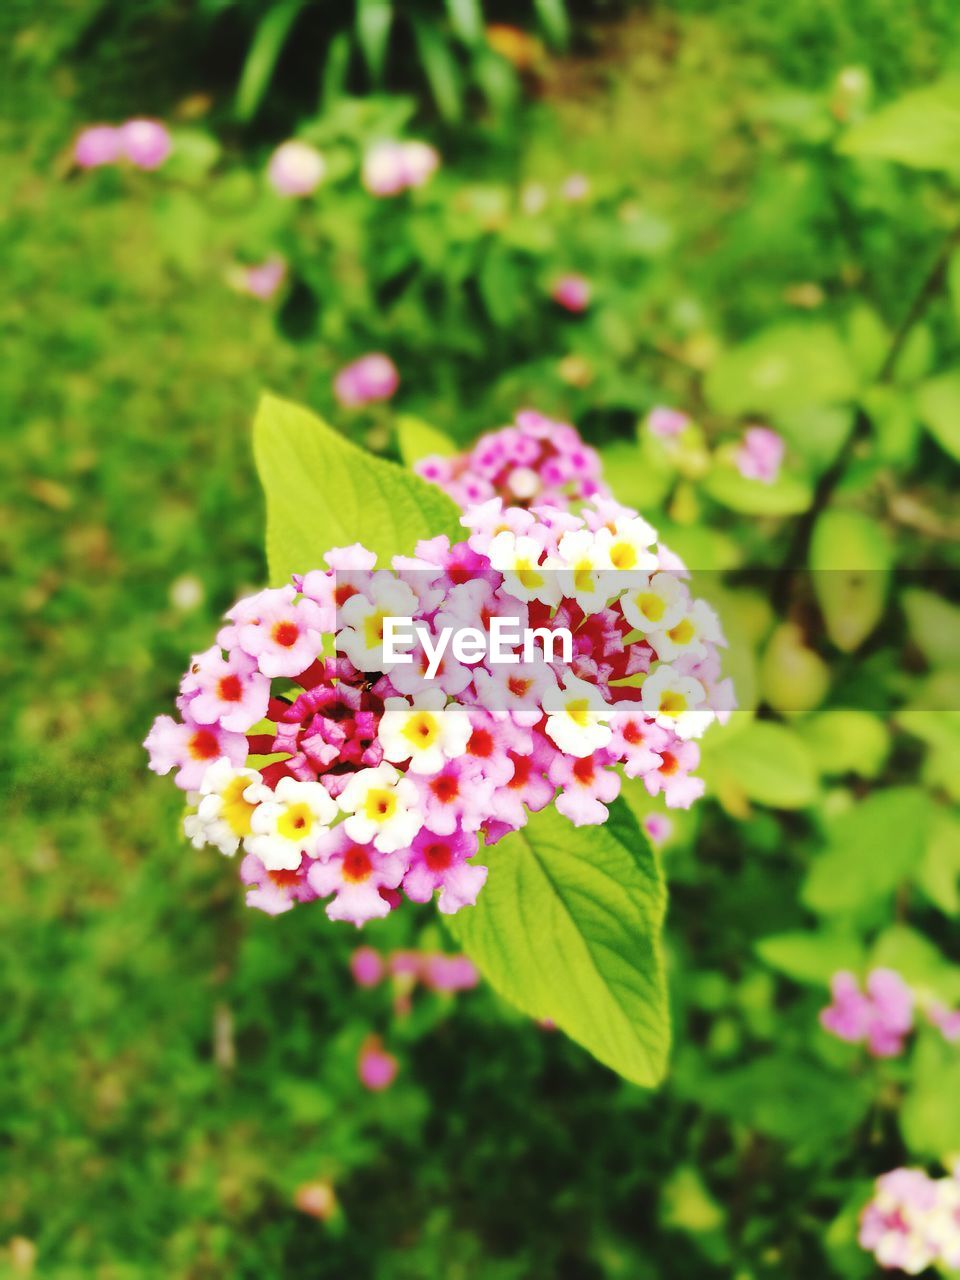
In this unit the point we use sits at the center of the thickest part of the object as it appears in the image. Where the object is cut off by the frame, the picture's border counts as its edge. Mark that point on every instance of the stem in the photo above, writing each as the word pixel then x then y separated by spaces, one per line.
pixel 796 555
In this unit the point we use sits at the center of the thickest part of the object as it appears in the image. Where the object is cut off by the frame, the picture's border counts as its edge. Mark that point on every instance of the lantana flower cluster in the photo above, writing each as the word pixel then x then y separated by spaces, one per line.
pixel 533 462
pixel 347 776
pixel 882 1015
pixel 913 1221
pixel 145 144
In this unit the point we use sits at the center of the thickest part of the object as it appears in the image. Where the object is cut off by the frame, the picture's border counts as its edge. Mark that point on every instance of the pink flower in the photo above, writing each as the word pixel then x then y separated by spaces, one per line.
pixel 665 422
pixel 658 827
pixel 97 145
pixel 392 167
pixel 275 892
pixel 947 1021
pixel 367 967
pixel 284 634
pixel 296 169
pixel 376 1068
pixel 355 874
pixel 760 454
pixel 672 775
pixel 262 280
pixel 458 795
pixel 575 187
pixel 191 748
pixel 373 377
pixel 882 1016
pixel 913 1221
pixel 226 691
pixel 586 787
pixel 572 292
pixel 145 143
pixel 449 973
pixel 441 862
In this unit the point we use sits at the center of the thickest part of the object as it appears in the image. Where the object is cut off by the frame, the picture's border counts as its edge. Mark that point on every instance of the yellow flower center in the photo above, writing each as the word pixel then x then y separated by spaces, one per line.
pixel 672 703
pixel 421 730
pixel 682 633
pixel 583 576
pixel 650 605
pixel 236 811
pixel 380 804
pixel 296 823
pixel 623 555
pixel 579 712
pixel 373 629
pixel 529 574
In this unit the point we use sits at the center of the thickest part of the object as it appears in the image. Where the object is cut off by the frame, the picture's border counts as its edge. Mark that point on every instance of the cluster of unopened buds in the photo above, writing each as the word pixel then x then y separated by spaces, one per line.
pixel 434 970
pixel 533 462
pixel 357 764
pixel 296 169
pixel 913 1221
pixel 882 1015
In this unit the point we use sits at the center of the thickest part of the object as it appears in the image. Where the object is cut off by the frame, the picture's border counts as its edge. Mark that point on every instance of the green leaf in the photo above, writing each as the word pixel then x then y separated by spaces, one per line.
pixel 934 626
pixel 938 403
pixel 441 70
pixel 466 18
pixel 811 957
pixel 766 762
pixel 918 961
pixel 938 875
pixel 782 369
pixel 418 439
pixel 552 15
pixel 263 55
pixel 373 22
pixel 929 1119
pixel 568 928
pixel 322 492
pixel 873 847
pixel 788 495
pixel 847 740
pixel 850 558
pixel 921 129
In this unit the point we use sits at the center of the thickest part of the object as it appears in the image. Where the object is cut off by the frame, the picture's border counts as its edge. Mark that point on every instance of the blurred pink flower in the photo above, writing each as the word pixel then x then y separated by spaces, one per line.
pixel 261 280
pixel 296 169
pixel 665 422
pixel 572 292
pixel 392 167
pixel 372 377
pixel 760 454
pixel 881 1016
pixel 576 187
pixel 376 1068
pixel 97 145
pixel 449 973
pixel 913 1221
pixel 145 143
pixel 658 827
pixel 367 967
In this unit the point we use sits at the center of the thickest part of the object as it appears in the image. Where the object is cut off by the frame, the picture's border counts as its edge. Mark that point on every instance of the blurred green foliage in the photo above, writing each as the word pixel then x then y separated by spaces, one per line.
pixel 175 1066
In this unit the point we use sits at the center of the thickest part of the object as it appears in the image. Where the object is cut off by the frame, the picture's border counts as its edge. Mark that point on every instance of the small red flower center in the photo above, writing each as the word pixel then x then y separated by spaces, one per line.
pixel 668 764
pixel 445 788
pixel 438 856
pixel 230 689
pixel 631 733
pixel 522 768
pixel 517 686
pixel 481 743
pixel 284 879
pixel 356 865
pixel 583 769
pixel 286 634
pixel 204 745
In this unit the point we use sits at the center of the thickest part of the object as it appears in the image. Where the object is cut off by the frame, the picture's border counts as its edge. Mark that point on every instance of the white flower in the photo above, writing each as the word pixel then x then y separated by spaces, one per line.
pixel 583 569
pixel 689 636
pixel 362 617
pixel 676 702
pixel 628 543
pixel 577 711
pixel 518 559
pixel 290 823
pixel 225 803
pixel 654 603
pixel 383 808
pixel 424 731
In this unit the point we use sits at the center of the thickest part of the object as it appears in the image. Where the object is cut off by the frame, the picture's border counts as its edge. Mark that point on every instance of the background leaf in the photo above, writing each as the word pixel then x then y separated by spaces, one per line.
pixel 322 492
pixel 938 403
pixel 784 368
pixel 850 558
pixel 568 928
pixel 418 439
pixel 921 129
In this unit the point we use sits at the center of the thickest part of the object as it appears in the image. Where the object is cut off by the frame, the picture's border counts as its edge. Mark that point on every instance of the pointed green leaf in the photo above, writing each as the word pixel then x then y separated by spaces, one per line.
pixel 322 492
pixel 921 129
pixel 938 403
pixel 850 559
pixel 568 928
pixel 418 439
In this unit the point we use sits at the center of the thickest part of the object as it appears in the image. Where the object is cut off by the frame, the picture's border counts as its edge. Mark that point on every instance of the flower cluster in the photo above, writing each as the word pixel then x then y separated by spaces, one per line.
pixel 913 1221
pixel 435 970
pixel 347 775
pixel 371 378
pixel 533 461
pixel 143 143
pixel 296 169
pixel 572 292
pixel 882 1015
pixel 757 455
pixel 390 168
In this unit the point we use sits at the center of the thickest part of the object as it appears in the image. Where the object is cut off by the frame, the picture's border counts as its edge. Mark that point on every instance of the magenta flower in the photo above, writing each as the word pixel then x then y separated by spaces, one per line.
pixel 355 874
pixel 97 145
pixel 275 891
pixel 262 280
pixel 586 787
pixel 913 1221
pixel 665 422
pixel 659 828
pixel 572 292
pixel 367 967
pixel 442 862
pixel 881 1016
pixel 373 377
pixel 296 169
pixel 376 1068
pixel 229 691
pixel 449 973
pixel 760 454
pixel 145 143
pixel 191 748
